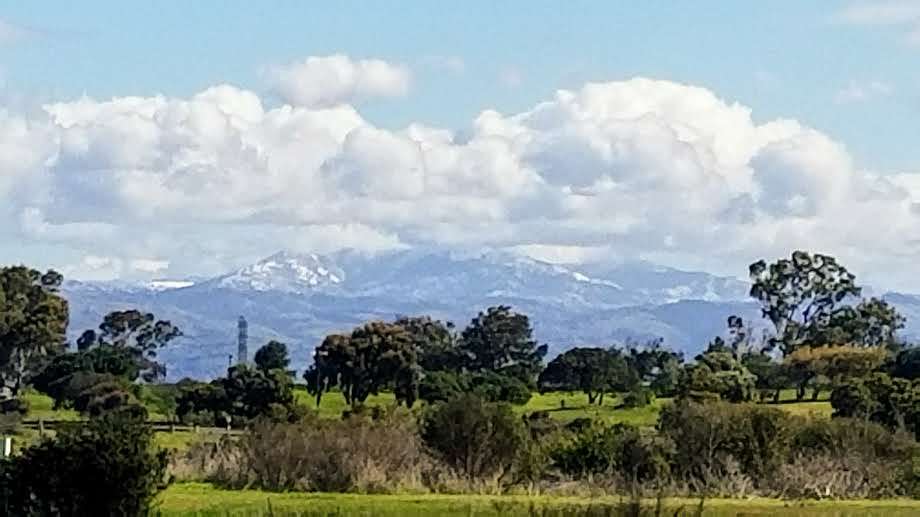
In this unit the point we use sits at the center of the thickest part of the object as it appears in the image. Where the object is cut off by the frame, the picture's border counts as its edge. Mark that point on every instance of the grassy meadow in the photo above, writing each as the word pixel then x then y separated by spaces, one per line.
pixel 564 407
pixel 205 500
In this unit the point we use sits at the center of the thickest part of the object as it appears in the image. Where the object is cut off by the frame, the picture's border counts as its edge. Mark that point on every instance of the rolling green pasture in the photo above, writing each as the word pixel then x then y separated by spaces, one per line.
pixel 206 500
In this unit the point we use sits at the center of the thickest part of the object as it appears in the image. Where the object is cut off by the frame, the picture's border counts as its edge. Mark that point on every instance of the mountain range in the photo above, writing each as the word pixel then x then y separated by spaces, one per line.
pixel 300 298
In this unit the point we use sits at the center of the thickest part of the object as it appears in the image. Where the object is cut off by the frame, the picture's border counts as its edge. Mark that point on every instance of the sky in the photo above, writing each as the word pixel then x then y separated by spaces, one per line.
pixel 168 139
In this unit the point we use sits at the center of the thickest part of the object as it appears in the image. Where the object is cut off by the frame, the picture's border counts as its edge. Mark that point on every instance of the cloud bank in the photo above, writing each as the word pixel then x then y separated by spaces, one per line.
pixel 629 169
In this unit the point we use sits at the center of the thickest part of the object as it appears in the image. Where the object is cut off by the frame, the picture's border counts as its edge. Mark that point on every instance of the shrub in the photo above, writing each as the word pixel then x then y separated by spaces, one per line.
pixel 440 386
pixel 475 438
pixel 638 397
pixel 109 466
pixel 707 435
pixel 490 386
pixel 893 402
pixel 353 455
pixel 619 449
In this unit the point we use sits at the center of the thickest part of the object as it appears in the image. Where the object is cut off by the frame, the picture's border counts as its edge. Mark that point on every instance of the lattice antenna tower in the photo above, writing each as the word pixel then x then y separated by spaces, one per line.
pixel 242 350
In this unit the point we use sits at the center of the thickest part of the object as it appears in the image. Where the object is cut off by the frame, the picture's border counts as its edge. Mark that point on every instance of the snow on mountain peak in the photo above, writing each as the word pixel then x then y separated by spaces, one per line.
pixel 286 271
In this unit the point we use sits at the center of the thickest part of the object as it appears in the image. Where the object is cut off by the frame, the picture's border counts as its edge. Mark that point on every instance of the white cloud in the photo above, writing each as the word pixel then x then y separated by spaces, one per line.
pixel 633 169
pixel 862 92
pixel 903 15
pixel 337 79
pixel 149 265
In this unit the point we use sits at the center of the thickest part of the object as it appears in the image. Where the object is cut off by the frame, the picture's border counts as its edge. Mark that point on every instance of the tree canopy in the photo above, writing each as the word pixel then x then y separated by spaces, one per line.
pixel 501 340
pixel 595 371
pixel 33 323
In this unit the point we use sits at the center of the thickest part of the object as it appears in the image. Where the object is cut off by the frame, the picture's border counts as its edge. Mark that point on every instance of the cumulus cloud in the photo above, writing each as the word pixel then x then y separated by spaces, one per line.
pixel 633 169
pixel 331 80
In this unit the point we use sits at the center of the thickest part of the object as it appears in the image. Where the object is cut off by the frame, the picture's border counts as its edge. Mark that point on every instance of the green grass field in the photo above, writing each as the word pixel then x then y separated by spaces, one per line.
pixel 205 500
pixel 564 407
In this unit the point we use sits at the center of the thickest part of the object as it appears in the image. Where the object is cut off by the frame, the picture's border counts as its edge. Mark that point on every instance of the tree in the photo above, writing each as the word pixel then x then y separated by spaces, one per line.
pixel 500 340
pixel 833 363
pixel 800 296
pixel 442 386
pixel 656 366
pixel 109 466
pixel 717 374
pixel 772 376
pixel 374 356
pixel 33 323
pixel 251 392
pixel 272 356
pixel 435 343
pixel 595 371
pixel 138 332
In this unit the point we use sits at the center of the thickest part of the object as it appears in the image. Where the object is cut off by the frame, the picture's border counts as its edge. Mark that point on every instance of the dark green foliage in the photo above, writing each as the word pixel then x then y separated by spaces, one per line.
pixel 474 437
pixel 495 387
pixel 657 367
pixel 907 364
pixel 852 437
pixel 252 392
pixel 245 394
pixel 706 435
pixel 501 340
pixel 621 448
pixel 892 402
pixel 272 356
pixel 435 343
pixel 106 467
pixel 441 386
pixel 33 322
pixel 373 357
pixel 800 294
pixel 56 379
pixel 490 386
pixel 807 299
pixel 716 374
pixel 137 333
pixel 772 376
pixel 201 403
pixel 595 371
pixel 638 397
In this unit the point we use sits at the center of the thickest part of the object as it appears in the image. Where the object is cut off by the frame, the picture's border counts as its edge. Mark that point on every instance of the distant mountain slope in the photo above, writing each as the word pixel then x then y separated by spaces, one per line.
pixel 301 298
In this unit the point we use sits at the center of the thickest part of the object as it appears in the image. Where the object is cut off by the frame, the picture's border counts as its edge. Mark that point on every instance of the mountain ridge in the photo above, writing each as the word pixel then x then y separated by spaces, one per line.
pixel 300 298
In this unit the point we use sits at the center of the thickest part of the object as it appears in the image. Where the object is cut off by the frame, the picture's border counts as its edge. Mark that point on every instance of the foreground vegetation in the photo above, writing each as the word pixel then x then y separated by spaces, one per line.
pixel 206 500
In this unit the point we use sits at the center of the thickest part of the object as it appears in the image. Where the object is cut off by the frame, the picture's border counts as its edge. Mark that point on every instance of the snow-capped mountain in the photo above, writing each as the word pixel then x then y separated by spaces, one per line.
pixel 299 298
pixel 285 272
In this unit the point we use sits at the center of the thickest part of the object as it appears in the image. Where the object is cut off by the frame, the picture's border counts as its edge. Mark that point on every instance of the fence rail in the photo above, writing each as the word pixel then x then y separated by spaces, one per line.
pixel 157 425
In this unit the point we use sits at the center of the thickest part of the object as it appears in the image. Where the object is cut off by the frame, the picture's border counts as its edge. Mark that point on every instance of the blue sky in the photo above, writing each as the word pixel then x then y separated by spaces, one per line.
pixel 782 58
pixel 696 134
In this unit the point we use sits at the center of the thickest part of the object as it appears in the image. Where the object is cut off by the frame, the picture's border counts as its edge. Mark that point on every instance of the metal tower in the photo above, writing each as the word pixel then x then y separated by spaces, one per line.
pixel 242 352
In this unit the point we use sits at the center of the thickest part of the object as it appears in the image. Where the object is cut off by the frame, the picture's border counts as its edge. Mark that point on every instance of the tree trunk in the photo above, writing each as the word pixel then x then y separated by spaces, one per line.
pixel 800 392
pixel 600 402
pixel 776 396
pixel 591 397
